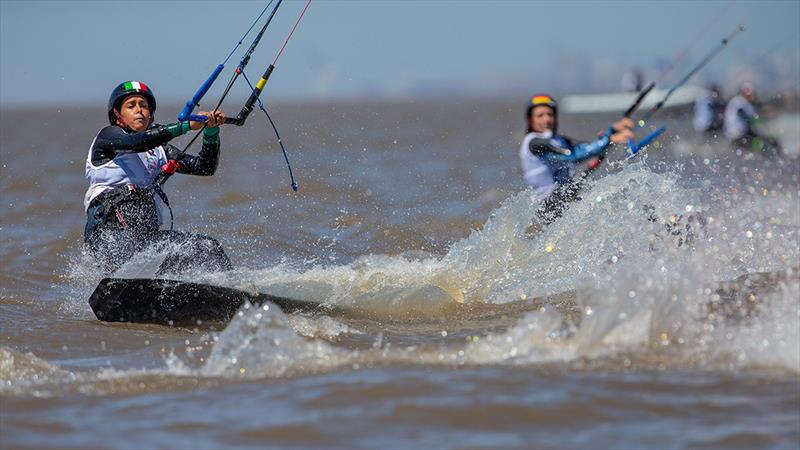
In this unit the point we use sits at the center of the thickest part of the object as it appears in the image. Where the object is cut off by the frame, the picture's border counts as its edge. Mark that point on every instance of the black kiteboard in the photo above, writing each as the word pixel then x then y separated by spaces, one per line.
pixel 170 302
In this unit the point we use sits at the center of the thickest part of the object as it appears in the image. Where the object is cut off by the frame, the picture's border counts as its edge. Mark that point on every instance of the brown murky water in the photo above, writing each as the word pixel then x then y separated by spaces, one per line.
pixel 597 332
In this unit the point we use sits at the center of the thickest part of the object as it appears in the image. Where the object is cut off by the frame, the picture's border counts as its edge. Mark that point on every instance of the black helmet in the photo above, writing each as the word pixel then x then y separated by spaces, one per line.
pixel 125 89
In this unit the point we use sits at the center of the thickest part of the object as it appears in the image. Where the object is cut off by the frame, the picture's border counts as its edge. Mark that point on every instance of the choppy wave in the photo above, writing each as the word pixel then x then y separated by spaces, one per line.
pixel 607 286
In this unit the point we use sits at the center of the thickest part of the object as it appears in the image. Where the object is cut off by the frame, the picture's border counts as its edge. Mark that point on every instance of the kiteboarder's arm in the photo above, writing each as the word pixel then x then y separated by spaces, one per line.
pixel 578 153
pixel 205 163
pixel 113 140
pixel 620 131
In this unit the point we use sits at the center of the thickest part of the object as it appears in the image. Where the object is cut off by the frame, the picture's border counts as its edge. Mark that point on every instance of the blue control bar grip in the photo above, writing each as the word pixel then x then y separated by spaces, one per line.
pixel 647 140
pixel 195 101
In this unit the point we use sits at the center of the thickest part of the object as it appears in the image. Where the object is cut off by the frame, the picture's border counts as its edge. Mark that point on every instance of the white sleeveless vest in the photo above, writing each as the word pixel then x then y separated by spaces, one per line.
pixel 536 172
pixel 735 125
pixel 126 168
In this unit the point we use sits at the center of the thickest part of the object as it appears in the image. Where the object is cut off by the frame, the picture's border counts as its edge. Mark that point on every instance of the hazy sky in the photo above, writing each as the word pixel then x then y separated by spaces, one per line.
pixel 76 52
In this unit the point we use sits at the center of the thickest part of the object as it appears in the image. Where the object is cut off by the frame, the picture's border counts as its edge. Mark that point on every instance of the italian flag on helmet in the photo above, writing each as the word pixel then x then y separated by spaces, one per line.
pixel 135 86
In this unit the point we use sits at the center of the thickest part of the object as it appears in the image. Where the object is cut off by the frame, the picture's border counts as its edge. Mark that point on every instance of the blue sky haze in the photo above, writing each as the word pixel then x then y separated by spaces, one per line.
pixel 66 52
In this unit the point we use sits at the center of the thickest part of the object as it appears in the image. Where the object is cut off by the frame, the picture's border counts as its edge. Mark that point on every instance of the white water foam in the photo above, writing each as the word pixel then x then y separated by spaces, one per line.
pixel 641 291
pixel 260 342
pixel 499 264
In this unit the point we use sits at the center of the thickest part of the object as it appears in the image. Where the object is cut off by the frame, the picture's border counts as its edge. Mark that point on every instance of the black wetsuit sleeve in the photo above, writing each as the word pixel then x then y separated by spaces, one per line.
pixel 205 163
pixel 540 146
pixel 113 140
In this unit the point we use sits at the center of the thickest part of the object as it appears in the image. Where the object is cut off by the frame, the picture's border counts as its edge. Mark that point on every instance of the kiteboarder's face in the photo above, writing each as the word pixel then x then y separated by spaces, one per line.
pixel 134 112
pixel 542 119
pixel 749 93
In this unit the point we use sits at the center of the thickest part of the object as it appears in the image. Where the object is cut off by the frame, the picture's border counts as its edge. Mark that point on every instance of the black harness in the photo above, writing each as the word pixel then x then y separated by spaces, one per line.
pixel 130 206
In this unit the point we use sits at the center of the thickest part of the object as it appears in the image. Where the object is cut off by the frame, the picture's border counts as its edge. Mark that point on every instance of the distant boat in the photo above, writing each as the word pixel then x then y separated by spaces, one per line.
pixel 620 101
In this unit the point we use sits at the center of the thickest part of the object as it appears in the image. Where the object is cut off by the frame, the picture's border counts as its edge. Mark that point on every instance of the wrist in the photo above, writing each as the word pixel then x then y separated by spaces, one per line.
pixel 178 129
pixel 210 135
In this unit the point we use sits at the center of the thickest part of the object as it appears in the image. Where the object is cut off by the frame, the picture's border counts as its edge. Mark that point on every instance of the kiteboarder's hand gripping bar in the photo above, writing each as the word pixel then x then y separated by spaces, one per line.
pixel 203 119
pixel 198 118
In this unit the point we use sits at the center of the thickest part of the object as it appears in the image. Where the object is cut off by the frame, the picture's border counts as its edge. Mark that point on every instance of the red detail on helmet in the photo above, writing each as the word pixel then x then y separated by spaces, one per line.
pixel 170 167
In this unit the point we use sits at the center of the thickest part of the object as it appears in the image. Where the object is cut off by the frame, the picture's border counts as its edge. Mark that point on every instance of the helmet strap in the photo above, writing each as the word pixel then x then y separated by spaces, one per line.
pixel 120 120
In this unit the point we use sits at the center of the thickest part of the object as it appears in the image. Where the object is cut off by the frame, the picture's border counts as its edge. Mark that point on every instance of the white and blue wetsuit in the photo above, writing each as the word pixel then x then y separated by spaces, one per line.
pixel 708 114
pixel 550 161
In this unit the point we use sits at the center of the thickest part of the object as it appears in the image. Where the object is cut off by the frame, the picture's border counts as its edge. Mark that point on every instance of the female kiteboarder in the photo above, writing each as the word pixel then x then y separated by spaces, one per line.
pixel 124 200
pixel 550 160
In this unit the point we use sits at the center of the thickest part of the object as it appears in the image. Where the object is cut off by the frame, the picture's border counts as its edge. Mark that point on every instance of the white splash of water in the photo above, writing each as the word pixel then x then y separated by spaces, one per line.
pixel 260 342
pixel 641 293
